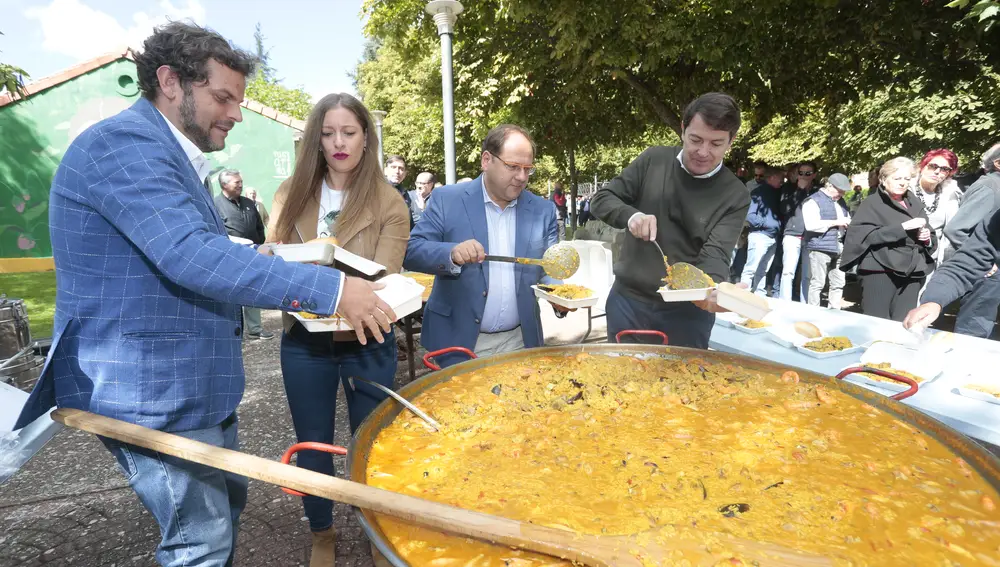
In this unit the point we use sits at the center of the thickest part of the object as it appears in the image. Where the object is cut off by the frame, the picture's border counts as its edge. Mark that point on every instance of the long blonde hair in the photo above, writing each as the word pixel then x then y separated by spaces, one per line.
pixel 310 167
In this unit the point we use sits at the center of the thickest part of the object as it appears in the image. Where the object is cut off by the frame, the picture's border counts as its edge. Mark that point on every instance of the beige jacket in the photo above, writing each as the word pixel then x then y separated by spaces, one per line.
pixel 381 236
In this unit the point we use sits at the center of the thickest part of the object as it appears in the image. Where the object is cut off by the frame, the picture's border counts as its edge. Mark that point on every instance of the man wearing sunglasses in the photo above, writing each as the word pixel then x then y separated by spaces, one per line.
pixel 794 266
pixel 487 308
pixel 686 200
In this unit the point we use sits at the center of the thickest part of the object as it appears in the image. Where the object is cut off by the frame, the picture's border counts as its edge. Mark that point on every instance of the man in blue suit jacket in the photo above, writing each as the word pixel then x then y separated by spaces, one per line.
pixel 149 287
pixel 487 308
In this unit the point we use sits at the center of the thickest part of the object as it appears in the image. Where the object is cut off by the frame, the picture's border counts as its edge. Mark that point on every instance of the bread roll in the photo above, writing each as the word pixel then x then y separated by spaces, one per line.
pixel 325 240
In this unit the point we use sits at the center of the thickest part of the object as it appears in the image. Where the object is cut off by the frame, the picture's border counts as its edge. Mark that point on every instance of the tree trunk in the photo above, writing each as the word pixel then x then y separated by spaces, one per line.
pixel 666 114
pixel 573 189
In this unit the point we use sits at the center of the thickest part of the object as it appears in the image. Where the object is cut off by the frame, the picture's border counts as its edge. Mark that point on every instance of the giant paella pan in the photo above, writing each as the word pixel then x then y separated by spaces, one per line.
pixel 619 439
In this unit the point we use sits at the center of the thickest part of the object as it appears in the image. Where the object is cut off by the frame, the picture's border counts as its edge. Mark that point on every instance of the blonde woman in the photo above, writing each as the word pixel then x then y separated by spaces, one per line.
pixel 891 244
pixel 337 190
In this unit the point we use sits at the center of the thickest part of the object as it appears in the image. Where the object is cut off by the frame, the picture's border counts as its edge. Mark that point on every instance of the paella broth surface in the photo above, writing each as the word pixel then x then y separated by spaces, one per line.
pixel 620 445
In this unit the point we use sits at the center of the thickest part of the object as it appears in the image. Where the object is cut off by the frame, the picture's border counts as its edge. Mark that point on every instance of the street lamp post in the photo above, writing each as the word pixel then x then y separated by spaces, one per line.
pixel 445 14
pixel 379 116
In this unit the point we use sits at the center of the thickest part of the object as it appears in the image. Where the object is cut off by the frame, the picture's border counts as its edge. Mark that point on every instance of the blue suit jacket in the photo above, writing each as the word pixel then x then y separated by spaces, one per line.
pixel 149 286
pixel 455 308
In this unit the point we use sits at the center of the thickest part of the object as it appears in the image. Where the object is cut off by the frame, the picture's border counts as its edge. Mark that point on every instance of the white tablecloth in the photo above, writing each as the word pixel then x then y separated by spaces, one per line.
pixel 970 359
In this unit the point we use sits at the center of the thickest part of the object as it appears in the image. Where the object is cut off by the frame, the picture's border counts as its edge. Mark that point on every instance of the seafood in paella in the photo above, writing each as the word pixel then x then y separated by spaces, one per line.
pixel 618 445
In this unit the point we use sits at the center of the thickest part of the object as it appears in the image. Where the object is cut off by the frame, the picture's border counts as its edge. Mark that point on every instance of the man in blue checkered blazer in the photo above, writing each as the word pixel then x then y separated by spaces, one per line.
pixel 150 288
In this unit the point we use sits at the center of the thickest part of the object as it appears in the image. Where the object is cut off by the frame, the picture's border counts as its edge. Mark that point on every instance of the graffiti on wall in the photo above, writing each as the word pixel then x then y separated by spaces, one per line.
pixel 37 131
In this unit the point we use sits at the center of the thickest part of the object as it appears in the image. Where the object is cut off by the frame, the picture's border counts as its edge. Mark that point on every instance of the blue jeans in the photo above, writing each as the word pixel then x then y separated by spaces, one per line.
pixel 684 323
pixel 197 507
pixel 312 367
pixel 760 254
pixel 792 263
pixel 978 313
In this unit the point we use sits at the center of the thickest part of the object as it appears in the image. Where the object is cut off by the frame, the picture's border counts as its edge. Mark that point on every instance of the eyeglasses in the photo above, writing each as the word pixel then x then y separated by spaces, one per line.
pixel 514 167
pixel 942 168
pixel 807 173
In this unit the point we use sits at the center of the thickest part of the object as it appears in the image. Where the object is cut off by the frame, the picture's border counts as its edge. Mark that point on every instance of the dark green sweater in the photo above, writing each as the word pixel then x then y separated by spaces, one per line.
pixel 697 220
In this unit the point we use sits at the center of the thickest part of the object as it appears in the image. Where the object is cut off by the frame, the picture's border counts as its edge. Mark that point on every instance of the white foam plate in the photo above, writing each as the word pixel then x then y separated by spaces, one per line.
pixel 728 319
pixel 855 349
pixel 241 240
pixel 326 254
pixel 567 303
pixel 747 330
pixel 786 336
pixel 976 395
pixel 363 265
pixel 403 294
pixel 674 295
pixel 916 362
pixel 314 253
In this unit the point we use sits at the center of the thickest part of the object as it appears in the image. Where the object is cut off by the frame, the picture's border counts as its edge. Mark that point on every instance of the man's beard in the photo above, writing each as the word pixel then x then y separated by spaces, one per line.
pixel 198 135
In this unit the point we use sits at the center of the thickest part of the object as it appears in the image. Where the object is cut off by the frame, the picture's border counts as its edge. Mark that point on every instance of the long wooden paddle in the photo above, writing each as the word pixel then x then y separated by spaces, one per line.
pixel 640 550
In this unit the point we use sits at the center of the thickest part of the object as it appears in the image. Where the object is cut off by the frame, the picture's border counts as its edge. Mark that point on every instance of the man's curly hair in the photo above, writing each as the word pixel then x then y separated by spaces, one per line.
pixel 186 48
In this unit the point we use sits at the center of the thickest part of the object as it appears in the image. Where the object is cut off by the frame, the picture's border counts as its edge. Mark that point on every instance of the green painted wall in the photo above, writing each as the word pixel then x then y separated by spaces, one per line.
pixel 35 133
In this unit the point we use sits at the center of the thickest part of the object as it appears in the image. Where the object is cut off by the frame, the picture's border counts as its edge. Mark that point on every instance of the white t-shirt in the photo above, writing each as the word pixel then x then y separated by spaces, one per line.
pixel 330 202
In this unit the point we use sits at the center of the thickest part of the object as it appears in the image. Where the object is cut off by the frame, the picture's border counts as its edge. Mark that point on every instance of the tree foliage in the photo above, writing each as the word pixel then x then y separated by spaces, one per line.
pixel 984 13
pixel 844 82
pixel 771 54
pixel 895 121
pixel 12 79
pixel 293 102
pixel 262 57
pixel 266 89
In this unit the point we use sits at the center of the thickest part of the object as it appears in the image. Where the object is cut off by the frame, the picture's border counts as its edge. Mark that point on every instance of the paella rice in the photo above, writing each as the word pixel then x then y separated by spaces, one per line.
pixel 619 445
pixel 829 344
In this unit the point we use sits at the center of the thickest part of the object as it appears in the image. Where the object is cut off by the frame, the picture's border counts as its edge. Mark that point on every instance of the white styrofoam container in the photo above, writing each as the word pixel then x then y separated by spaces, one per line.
pixel 674 295
pixel 786 336
pixel 916 362
pixel 314 253
pixel 727 319
pixel 325 254
pixel 241 240
pixel 747 310
pixel 976 395
pixel 747 330
pixel 363 265
pixel 856 348
pixel 567 303
pixel 403 294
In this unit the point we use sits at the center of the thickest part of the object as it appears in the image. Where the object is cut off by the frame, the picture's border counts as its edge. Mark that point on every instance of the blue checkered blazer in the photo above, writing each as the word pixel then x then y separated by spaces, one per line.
pixel 149 286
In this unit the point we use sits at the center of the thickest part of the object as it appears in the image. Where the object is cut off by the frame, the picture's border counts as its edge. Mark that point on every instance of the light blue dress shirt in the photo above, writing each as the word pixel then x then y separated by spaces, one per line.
pixel 501 297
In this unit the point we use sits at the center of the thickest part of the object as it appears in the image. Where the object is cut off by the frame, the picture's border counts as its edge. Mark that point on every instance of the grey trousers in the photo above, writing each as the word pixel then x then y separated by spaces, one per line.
pixel 489 344
pixel 251 320
pixel 822 264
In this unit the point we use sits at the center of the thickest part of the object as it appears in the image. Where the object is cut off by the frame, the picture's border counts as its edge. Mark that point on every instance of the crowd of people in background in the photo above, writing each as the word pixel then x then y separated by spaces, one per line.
pixel 802 236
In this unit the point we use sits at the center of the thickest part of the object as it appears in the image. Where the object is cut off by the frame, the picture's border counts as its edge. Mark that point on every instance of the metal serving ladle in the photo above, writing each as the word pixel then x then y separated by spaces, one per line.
pixel 560 261
pixel 406 403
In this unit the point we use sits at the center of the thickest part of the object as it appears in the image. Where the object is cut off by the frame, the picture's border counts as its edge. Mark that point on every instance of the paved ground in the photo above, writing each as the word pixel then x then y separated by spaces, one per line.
pixel 70 505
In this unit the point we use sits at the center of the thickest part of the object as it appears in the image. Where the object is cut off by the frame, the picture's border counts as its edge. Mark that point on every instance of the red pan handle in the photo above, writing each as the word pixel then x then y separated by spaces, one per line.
pixel 663 336
pixel 430 355
pixel 900 396
pixel 308 445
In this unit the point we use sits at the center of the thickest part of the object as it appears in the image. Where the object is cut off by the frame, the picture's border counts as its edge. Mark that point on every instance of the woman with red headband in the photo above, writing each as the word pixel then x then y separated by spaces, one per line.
pixel 940 194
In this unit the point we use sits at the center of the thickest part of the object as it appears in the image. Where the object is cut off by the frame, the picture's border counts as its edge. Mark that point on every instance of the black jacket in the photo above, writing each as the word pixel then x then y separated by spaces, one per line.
pixel 241 218
pixel 876 241
pixel 968 266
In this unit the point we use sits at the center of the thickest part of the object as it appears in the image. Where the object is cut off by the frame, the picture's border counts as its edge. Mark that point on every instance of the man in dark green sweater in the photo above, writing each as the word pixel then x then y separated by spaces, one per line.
pixel 692 206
